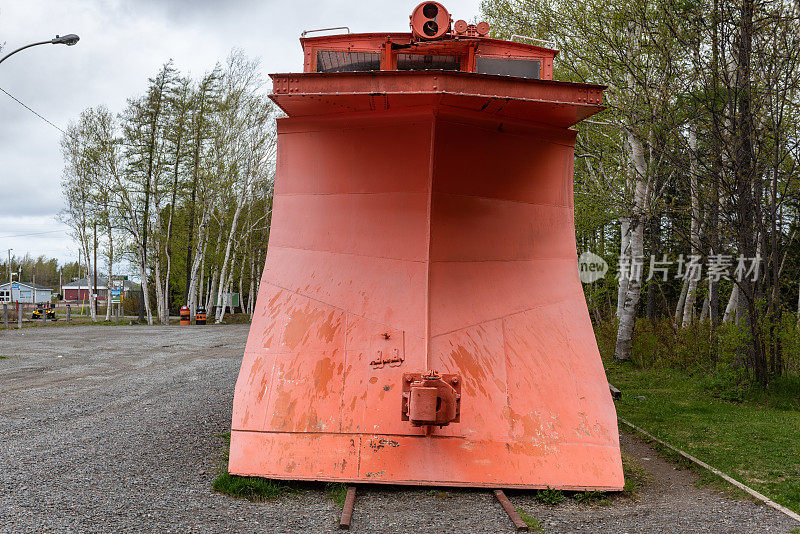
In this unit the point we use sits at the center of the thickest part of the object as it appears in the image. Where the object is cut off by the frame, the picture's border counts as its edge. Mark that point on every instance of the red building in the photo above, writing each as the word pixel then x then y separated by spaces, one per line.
pixel 80 290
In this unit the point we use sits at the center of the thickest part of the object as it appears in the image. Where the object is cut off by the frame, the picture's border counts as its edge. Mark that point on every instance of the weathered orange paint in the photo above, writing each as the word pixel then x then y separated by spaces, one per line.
pixel 424 221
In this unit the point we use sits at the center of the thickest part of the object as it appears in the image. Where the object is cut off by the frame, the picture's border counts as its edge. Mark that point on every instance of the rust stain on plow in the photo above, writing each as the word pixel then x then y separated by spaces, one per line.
pixel 377 444
pixel 306 322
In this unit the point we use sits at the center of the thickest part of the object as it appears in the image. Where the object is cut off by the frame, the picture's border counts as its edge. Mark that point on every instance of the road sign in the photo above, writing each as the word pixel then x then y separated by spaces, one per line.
pixel 116 296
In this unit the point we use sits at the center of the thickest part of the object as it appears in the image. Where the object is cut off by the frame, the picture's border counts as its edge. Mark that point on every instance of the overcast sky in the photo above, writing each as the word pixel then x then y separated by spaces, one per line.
pixel 123 42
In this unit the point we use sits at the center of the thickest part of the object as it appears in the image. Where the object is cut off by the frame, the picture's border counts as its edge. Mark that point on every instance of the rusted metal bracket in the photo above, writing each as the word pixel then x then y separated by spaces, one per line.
pixel 431 399
pixel 393 359
pixel 519 524
pixel 347 511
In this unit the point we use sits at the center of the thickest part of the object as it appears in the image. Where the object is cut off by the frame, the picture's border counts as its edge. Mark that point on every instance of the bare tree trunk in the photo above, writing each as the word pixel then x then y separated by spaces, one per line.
pixel 231 234
pixel 166 284
pixel 212 288
pixel 225 288
pixel 110 270
pixel 689 304
pixel 163 313
pixel 89 280
pixel 251 297
pixel 200 294
pixel 96 293
pixel 624 254
pixel 145 285
pixel 681 302
pixel 167 254
pixel 733 304
pixel 159 293
pixel 229 289
pixel 627 318
pixel 196 271
pixel 705 312
pixel 241 278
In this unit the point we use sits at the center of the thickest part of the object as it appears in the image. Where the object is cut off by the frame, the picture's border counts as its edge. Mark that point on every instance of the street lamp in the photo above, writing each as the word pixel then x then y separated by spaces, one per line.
pixel 68 40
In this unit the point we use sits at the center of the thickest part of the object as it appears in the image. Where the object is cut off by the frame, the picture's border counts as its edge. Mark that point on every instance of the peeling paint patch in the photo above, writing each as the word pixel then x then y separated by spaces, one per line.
pixel 377 444
pixel 376 474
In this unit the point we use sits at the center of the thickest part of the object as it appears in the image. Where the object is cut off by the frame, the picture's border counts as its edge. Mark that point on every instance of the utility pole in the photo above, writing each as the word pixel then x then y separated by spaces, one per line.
pixel 10 293
pixel 10 280
pixel 95 270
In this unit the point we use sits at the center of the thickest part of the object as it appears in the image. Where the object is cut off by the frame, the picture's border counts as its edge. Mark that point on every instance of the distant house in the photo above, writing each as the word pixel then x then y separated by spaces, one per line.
pixel 80 291
pixel 25 293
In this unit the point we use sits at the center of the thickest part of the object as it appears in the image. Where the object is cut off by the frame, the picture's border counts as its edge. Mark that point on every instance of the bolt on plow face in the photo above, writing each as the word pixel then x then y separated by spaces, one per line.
pixel 423 220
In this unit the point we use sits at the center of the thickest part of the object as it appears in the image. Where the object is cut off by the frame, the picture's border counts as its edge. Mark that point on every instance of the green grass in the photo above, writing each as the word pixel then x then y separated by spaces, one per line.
pixel 635 475
pixel 337 492
pixel 534 524
pixel 754 438
pixel 251 488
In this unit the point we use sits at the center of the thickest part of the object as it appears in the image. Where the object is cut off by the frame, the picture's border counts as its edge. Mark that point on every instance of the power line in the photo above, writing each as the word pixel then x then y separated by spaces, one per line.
pixel 32 111
pixel 34 233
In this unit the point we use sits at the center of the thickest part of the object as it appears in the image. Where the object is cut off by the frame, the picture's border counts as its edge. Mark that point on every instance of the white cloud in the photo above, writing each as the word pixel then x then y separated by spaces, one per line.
pixel 123 42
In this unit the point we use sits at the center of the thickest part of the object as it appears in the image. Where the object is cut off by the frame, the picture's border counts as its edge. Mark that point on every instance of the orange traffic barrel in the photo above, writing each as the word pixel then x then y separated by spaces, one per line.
pixel 200 316
pixel 420 318
pixel 184 314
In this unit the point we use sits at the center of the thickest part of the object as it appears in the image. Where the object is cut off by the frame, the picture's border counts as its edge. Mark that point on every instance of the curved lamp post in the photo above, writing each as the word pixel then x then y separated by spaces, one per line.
pixel 68 40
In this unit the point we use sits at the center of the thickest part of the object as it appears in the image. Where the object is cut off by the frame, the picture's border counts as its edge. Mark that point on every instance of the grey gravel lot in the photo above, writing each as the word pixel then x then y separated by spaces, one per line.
pixel 109 429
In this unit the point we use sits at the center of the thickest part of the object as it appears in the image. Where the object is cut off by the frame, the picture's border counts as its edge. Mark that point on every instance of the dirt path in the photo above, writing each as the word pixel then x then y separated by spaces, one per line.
pixel 669 501
pixel 113 429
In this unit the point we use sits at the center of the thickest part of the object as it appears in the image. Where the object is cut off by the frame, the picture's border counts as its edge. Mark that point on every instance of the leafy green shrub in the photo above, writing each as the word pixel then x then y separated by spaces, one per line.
pixel 550 496
pixel 591 497
pixel 716 357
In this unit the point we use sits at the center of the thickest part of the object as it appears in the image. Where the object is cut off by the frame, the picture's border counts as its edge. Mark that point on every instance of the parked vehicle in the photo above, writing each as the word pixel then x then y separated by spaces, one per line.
pixel 50 313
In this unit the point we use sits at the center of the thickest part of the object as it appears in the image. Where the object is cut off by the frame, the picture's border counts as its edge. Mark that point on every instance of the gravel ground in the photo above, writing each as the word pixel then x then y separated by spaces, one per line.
pixel 113 429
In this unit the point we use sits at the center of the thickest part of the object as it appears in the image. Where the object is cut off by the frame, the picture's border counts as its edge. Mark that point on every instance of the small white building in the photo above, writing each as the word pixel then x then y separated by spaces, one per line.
pixel 24 293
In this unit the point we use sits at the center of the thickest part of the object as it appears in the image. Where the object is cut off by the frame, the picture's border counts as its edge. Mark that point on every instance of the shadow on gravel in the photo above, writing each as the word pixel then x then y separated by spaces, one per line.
pixel 258 489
